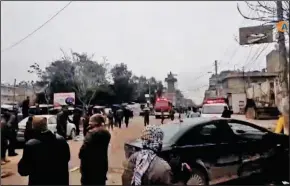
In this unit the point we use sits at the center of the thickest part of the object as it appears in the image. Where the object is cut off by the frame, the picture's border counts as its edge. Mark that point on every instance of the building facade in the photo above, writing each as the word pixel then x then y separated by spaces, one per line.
pixel 11 94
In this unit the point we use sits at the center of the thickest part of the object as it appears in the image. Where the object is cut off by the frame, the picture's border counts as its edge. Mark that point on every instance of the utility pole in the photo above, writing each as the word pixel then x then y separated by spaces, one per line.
pixel 284 105
pixel 14 88
pixel 244 81
pixel 216 76
pixel 282 53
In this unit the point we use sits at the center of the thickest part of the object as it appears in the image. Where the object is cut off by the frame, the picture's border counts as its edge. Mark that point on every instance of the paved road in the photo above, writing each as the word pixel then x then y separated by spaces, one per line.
pixel 116 154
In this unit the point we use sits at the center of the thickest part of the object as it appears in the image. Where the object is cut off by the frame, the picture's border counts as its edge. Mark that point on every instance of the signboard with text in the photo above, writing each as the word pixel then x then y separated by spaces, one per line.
pixel 256 35
pixel 60 99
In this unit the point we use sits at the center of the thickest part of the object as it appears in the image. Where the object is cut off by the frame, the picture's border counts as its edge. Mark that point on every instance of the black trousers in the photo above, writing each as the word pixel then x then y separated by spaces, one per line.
pixel 4 145
pixel 119 122
pixel 12 141
pixel 146 122
pixel 127 121
pixel 77 128
pixel 111 125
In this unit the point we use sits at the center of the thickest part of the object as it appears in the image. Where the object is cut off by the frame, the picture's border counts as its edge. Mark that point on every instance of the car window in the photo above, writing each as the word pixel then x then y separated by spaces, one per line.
pixel 240 128
pixel 200 135
pixel 52 120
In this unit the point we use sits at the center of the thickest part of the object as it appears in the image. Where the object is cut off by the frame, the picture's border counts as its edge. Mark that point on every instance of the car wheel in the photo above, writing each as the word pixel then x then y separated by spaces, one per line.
pixel 157 117
pixel 72 134
pixel 197 178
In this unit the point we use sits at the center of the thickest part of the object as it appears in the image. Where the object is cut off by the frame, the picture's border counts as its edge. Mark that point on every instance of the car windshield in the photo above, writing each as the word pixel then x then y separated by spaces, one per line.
pixel 213 109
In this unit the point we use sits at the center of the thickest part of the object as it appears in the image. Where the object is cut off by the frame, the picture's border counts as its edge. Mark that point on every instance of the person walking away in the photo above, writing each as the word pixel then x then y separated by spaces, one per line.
pixel 162 117
pixel 61 122
pixel 28 133
pixel 111 120
pixel 227 113
pixel 94 153
pixel 127 115
pixel 11 128
pixel 145 167
pixel 172 112
pixel 45 157
pixel 25 107
pixel 4 141
pixel 119 117
pixel 146 117
pixel 76 120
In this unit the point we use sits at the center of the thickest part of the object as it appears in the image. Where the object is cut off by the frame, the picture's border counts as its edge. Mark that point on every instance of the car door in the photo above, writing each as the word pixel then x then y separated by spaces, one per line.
pixel 253 144
pixel 211 145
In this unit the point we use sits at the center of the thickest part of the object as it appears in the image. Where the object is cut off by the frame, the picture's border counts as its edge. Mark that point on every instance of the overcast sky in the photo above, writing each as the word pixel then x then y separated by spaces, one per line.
pixel 152 38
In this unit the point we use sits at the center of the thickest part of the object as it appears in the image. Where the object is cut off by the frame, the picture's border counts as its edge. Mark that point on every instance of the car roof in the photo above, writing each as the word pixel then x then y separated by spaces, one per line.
pixel 215 104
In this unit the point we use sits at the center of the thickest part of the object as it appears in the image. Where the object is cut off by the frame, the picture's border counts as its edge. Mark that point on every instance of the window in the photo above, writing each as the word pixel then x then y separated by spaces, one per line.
pixel 52 120
pixel 240 128
pixel 200 135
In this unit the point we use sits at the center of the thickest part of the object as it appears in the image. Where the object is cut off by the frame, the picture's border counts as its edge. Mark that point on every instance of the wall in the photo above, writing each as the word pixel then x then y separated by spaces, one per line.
pixel 7 94
pixel 235 100
pixel 272 62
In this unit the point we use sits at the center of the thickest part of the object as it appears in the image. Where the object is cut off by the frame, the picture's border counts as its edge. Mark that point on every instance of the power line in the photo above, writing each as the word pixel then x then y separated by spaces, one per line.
pixel 20 41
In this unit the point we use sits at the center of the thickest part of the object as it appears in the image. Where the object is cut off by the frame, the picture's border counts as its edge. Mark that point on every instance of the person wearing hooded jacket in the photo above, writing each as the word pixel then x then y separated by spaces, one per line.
pixel 45 157
pixel 145 167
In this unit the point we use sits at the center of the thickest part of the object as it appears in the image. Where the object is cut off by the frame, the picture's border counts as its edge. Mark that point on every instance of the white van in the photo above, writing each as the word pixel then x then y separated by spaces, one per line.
pixel 213 109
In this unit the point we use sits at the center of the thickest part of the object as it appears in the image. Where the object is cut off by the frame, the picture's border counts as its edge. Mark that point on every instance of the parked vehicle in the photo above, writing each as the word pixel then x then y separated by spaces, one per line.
pixel 220 149
pixel 43 109
pixel 51 123
pixel 264 98
pixel 213 107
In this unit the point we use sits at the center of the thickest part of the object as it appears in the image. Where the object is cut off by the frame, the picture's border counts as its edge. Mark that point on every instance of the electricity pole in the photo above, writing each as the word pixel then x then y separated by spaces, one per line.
pixel 216 76
pixel 282 53
pixel 244 81
pixel 14 88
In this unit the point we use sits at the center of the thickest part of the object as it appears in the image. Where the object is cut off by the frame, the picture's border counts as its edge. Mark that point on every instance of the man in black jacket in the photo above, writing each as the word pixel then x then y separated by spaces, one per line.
pixel 11 131
pixel 45 157
pixel 94 153
pixel 61 122
pixel 25 107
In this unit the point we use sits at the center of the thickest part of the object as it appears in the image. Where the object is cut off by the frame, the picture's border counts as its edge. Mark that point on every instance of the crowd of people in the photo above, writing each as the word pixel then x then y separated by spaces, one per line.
pixel 47 153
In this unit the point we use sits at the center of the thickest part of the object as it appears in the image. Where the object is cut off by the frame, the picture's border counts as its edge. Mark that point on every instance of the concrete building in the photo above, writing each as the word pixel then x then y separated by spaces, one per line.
pixel 273 63
pixel 11 94
pixel 235 86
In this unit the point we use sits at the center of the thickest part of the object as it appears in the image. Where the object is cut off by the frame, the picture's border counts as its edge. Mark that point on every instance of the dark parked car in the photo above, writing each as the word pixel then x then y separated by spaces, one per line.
pixel 220 149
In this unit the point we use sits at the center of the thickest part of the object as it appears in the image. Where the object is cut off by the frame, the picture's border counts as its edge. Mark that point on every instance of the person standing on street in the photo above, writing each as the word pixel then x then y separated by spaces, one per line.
pixel 94 153
pixel 111 120
pixel 119 117
pixel 25 107
pixel 146 117
pixel 162 117
pixel 127 115
pixel 61 119
pixel 4 141
pixel 76 120
pixel 227 113
pixel 45 157
pixel 86 123
pixel 12 127
pixel 28 133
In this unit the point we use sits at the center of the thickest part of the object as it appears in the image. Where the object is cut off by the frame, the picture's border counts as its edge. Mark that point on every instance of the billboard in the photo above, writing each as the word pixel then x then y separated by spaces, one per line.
pixel 256 35
pixel 66 98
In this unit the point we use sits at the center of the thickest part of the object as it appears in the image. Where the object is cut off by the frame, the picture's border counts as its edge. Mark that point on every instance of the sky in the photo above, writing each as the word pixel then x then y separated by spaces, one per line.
pixel 152 38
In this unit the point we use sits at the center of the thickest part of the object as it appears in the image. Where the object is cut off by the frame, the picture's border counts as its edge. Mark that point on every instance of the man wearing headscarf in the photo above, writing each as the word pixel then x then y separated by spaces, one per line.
pixel 45 157
pixel 94 153
pixel 145 167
